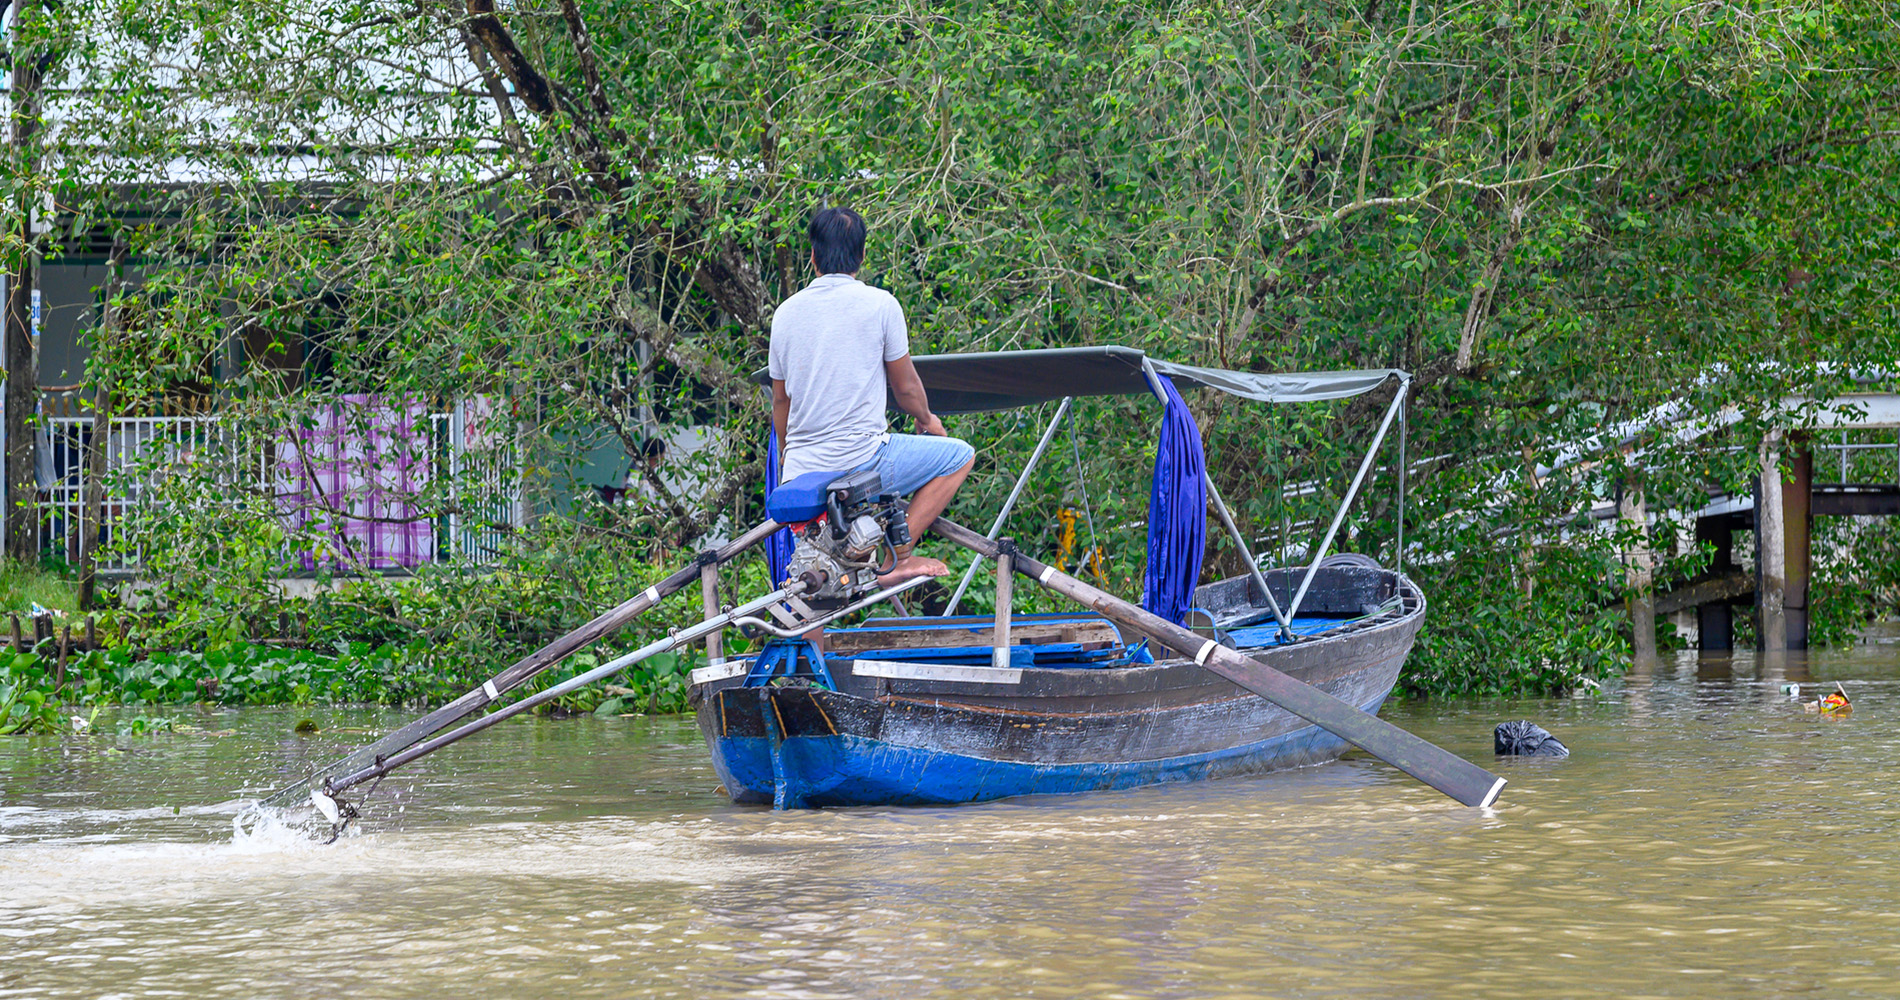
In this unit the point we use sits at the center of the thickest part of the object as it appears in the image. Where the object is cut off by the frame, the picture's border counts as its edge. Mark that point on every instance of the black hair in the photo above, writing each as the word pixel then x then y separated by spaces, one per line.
pixel 837 240
pixel 653 447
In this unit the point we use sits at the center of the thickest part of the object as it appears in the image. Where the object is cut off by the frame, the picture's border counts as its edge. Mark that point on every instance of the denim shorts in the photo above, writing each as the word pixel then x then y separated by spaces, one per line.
pixel 908 461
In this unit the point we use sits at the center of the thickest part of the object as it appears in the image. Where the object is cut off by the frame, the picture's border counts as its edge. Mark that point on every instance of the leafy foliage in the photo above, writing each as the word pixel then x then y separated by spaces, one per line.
pixel 1559 217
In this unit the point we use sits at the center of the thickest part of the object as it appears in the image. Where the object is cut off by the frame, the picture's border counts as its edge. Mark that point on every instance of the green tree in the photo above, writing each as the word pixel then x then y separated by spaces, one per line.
pixel 1559 216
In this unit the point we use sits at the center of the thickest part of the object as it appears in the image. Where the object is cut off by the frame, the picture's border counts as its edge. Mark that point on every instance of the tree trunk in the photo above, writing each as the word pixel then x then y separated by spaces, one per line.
pixel 95 494
pixel 22 392
pixel 97 367
pixel 22 388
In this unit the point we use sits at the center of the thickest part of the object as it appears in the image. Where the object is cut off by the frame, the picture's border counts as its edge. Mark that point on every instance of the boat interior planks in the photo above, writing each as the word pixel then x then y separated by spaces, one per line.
pixel 1339 591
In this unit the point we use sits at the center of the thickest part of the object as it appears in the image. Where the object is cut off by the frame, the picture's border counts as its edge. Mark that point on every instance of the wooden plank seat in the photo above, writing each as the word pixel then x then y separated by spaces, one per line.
pixel 1088 632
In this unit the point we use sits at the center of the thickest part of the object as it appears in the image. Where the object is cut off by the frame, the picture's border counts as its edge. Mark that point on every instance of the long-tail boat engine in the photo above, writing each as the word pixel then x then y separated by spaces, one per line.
pixel 836 554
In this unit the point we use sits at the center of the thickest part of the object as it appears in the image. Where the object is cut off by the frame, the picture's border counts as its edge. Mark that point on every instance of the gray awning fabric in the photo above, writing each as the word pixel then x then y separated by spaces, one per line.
pixel 1001 380
pixel 1285 387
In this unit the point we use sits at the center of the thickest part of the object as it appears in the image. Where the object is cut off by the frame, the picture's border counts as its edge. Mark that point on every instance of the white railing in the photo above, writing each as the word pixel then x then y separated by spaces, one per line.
pixel 479 535
pixel 135 448
pixel 460 445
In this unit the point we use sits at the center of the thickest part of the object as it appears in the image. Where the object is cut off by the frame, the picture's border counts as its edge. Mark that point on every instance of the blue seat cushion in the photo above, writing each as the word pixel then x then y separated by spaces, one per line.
pixel 801 499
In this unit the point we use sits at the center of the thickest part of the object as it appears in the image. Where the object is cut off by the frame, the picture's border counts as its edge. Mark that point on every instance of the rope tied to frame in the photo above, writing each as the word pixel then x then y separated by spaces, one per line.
pixel 1094 558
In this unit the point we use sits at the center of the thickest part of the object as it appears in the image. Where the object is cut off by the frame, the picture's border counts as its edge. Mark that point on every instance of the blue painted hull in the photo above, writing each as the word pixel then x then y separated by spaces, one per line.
pixel 851 770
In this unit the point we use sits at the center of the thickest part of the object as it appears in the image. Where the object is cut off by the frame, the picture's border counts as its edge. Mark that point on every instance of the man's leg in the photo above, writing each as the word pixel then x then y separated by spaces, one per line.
pixel 930 500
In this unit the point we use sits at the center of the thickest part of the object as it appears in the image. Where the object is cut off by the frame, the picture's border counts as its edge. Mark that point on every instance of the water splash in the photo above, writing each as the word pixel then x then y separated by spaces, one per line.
pixel 257 828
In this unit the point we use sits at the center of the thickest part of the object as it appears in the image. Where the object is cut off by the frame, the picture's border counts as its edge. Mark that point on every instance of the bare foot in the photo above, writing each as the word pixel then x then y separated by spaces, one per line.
pixel 912 566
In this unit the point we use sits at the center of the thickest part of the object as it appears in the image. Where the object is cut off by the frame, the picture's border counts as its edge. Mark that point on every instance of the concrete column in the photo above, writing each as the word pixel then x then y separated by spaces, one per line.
pixel 1771 575
pixel 1639 575
pixel 1797 492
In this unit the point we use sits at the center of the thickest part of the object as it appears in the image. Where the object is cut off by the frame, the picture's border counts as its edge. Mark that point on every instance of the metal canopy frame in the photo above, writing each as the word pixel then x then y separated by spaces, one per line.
pixel 996 526
pixel 1151 370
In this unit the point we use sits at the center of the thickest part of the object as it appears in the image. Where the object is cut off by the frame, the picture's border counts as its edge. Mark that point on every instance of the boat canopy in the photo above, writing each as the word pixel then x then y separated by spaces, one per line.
pixel 1002 380
pixel 1182 491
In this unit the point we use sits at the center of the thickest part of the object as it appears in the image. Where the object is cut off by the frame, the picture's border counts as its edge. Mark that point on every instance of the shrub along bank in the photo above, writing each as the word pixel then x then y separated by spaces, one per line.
pixel 37 695
pixel 410 642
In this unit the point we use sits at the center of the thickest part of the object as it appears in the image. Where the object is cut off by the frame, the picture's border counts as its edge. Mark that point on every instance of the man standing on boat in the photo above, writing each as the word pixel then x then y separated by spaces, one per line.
pixel 836 345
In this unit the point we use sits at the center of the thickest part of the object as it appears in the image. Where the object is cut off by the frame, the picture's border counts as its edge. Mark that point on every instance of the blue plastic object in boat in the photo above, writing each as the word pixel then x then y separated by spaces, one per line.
pixel 801 499
pixel 780 658
pixel 1255 636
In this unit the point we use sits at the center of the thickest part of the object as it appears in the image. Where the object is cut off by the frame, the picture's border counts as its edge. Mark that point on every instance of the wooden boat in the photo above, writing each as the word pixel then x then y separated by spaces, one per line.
pixel 914 729
pixel 941 711
pixel 1268 670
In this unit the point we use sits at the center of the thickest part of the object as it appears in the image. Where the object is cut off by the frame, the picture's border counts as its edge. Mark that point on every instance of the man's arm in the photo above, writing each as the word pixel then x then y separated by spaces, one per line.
pixel 909 392
pixel 781 411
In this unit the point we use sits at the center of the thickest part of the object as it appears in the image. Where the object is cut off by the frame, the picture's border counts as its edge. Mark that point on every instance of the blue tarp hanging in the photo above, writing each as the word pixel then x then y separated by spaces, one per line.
pixel 778 548
pixel 1177 511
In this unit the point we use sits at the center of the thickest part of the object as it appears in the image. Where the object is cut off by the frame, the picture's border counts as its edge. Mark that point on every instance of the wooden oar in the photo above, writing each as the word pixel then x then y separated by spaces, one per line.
pixel 528 666
pixel 1435 766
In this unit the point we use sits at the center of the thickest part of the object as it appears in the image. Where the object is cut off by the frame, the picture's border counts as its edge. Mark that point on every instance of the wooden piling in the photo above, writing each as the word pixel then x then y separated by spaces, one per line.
pixel 1797 494
pixel 1715 621
pixel 999 649
pixel 92 633
pixel 1771 628
pixel 59 667
pixel 1639 569
pixel 709 606
pixel 19 640
pixel 283 627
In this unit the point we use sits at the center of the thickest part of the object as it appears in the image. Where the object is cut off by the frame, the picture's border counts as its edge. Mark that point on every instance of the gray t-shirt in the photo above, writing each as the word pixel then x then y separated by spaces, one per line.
pixel 829 343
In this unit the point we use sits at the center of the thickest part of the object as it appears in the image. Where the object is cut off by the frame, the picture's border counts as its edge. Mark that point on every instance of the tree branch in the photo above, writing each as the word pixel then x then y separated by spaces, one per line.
pixel 590 67
pixel 504 104
pixel 1786 154
pixel 1266 286
pixel 530 85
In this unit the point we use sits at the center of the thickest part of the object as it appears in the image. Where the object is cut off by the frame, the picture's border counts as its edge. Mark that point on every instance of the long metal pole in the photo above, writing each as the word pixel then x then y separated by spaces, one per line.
pixel 996 528
pixel 1082 484
pixel 1398 554
pixel 683 637
pixel 1435 766
pixel 1339 517
pixel 1240 540
pixel 528 666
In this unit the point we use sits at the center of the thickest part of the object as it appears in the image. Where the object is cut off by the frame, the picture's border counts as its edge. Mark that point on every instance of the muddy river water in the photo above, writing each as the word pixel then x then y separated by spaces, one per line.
pixel 1707 839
